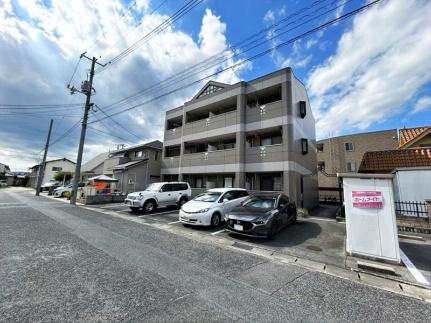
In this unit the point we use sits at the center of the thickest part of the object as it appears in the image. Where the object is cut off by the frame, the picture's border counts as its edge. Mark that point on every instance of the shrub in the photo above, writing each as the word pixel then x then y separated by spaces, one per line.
pixel 303 213
pixel 68 195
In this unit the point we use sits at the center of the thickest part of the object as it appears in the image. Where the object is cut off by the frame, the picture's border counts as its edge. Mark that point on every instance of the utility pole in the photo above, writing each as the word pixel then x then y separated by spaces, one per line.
pixel 86 88
pixel 42 166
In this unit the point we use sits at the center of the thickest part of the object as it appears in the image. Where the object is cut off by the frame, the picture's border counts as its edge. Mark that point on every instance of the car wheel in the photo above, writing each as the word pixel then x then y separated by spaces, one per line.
pixel 149 206
pixel 273 231
pixel 215 220
pixel 182 201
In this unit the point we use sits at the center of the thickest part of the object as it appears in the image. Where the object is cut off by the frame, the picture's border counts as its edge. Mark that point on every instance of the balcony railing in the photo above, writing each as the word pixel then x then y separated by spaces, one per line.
pixel 265 112
pixel 272 153
pixel 171 162
pixel 172 134
pixel 211 123
pixel 218 157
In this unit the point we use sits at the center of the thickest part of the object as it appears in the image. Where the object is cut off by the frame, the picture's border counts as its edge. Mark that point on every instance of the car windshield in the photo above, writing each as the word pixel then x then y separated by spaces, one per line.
pixel 264 202
pixel 208 197
pixel 155 187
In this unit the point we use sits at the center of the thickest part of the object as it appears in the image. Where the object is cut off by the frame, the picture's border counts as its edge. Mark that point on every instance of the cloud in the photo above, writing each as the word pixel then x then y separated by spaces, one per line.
pixel 269 16
pixel 40 45
pixel 423 104
pixel 376 69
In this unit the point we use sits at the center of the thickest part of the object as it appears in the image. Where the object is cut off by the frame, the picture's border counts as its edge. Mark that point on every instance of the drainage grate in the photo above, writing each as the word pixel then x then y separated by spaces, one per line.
pixel 242 246
pixel 314 248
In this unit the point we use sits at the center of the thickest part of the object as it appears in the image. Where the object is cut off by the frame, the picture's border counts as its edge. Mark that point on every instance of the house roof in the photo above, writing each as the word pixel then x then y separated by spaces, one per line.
pixel 94 162
pixel 128 164
pixel 408 136
pixel 387 160
pixel 53 160
pixel 156 144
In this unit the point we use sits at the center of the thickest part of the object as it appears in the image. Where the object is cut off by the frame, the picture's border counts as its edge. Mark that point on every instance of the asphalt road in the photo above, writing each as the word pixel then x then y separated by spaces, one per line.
pixel 65 263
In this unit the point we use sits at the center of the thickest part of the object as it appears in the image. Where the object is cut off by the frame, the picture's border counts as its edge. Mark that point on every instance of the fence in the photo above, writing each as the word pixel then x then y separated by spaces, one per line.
pixel 416 209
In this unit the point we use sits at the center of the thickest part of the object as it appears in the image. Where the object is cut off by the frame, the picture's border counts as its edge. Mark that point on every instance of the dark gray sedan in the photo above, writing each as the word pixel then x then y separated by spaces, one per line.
pixel 261 215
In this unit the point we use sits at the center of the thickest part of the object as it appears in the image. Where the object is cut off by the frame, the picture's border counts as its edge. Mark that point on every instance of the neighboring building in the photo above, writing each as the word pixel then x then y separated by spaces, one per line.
pixel 258 135
pixel 135 167
pixel 17 178
pixel 418 137
pixel 52 167
pixel 94 166
pixel 4 168
pixel 344 154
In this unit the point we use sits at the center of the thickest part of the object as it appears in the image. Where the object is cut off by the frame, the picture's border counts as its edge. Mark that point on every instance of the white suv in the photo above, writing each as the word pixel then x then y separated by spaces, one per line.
pixel 159 194
pixel 209 208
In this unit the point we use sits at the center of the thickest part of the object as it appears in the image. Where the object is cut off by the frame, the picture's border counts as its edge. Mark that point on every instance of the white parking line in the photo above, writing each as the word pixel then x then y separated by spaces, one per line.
pixel 174 222
pixel 413 270
pixel 214 233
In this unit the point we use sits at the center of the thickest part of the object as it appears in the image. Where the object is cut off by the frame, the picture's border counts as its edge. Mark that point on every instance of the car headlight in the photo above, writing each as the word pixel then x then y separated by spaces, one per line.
pixel 140 197
pixel 203 210
pixel 262 220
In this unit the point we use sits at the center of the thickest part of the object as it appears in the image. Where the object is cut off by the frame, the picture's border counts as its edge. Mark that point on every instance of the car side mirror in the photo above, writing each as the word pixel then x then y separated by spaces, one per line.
pixel 225 200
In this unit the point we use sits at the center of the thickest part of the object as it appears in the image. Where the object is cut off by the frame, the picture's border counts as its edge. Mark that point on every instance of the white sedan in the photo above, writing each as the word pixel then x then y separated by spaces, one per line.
pixel 59 192
pixel 209 208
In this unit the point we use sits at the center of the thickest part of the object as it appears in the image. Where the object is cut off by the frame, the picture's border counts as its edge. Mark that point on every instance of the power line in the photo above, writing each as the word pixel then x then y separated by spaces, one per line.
pixel 109 134
pixel 38 106
pixel 74 71
pixel 174 80
pixel 117 123
pixel 265 52
pixel 160 28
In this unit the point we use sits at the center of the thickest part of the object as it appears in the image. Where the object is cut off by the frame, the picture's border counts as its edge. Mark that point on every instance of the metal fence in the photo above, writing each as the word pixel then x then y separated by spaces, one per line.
pixel 416 209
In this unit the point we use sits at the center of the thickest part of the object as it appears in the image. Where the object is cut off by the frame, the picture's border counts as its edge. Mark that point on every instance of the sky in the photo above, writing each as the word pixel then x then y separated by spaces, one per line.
pixel 368 72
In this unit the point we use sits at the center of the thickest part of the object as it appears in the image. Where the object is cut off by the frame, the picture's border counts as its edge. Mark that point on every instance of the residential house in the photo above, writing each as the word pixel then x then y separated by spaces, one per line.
pixel 135 167
pixel 52 167
pixel 94 166
pixel 344 154
pixel 4 168
pixel 17 178
pixel 258 135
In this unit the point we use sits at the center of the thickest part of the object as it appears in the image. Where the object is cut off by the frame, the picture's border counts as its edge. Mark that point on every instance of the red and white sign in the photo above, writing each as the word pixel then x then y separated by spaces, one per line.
pixel 367 199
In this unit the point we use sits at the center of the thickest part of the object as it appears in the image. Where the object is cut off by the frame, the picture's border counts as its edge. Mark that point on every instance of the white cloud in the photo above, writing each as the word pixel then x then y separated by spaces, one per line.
pixel 269 16
pixel 40 45
pixel 424 103
pixel 378 66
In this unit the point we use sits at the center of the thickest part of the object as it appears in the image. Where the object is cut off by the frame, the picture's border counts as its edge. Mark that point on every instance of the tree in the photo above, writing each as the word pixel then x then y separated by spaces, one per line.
pixel 2 176
pixel 60 176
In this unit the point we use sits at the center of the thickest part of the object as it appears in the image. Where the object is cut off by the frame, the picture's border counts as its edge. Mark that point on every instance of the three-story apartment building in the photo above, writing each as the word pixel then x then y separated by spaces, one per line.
pixel 259 135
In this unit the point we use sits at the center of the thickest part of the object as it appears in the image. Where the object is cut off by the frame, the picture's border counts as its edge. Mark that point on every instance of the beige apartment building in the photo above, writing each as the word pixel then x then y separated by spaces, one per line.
pixel 258 135
pixel 344 154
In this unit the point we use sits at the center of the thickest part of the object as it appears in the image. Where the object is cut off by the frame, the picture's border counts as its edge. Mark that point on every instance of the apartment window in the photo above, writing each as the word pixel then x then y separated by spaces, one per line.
pixel 228 181
pixel 351 166
pixel 156 155
pixel 302 109
pixel 349 146
pixel 273 140
pixel 139 153
pixel 321 165
pixel 319 147
pixel 57 169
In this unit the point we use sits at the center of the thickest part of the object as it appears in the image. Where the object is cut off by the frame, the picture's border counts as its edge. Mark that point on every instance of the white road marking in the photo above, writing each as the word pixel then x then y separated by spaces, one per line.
pixel 214 233
pixel 174 222
pixel 321 219
pixel 413 270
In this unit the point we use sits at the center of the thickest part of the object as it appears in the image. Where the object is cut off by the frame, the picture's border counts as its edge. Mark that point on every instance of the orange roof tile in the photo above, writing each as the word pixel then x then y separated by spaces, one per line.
pixel 387 160
pixel 408 134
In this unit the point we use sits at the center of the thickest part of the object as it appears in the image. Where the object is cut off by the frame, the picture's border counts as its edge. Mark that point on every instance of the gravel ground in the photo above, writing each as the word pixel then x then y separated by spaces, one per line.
pixel 65 263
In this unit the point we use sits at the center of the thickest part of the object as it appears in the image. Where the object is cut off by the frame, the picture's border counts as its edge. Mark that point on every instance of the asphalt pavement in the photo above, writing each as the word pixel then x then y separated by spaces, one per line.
pixel 69 263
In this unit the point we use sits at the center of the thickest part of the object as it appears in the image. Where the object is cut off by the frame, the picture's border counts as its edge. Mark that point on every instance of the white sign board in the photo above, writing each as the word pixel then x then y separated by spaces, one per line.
pixel 370 217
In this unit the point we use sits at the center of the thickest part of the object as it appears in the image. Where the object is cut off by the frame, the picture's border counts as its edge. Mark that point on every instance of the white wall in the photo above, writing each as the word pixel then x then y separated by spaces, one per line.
pixel 412 184
pixel 66 166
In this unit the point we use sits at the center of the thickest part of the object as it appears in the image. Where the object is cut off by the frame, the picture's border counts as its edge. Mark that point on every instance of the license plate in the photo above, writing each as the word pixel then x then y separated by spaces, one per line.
pixel 238 227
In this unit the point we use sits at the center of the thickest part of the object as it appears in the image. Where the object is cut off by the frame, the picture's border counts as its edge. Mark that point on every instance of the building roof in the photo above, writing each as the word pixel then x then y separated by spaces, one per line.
pixel 387 160
pixel 156 144
pixel 53 160
pixel 408 136
pixel 128 164
pixel 94 162
pixel 209 88
pixel 358 134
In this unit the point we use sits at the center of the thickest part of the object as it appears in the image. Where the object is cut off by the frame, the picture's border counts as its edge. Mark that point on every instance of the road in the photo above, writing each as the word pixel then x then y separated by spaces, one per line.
pixel 67 263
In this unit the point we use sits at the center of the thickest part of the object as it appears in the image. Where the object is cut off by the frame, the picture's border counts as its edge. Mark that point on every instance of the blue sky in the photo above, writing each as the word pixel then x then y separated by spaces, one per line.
pixel 369 72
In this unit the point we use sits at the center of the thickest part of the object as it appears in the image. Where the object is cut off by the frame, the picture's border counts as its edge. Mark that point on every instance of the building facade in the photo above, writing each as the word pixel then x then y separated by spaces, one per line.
pixel 344 154
pixel 259 135
pixel 135 167
pixel 4 168
pixel 52 167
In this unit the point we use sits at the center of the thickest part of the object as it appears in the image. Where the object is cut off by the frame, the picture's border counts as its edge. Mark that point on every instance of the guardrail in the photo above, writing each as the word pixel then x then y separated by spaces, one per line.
pixel 411 208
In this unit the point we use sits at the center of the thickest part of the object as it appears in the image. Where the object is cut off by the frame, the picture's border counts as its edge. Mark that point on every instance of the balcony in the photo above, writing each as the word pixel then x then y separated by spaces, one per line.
pixel 173 134
pixel 217 122
pixel 261 154
pixel 218 157
pixel 264 112
pixel 171 163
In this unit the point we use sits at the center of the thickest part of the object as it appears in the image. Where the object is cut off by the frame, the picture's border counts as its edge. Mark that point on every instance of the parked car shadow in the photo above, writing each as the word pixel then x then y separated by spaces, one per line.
pixel 292 235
